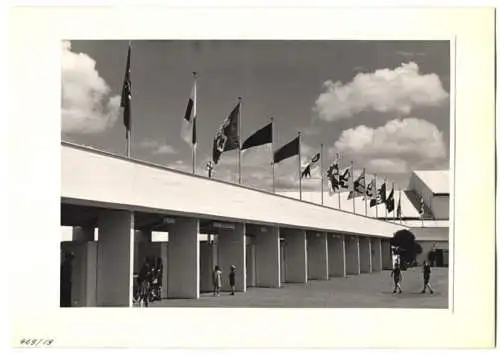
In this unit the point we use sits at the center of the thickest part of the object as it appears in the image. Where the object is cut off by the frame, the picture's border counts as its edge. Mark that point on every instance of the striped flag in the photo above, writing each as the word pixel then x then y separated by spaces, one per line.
pixel 188 132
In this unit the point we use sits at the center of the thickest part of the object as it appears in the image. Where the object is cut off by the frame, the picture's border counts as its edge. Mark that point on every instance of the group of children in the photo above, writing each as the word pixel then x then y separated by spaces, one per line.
pixel 398 277
pixel 217 280
pixel 148 283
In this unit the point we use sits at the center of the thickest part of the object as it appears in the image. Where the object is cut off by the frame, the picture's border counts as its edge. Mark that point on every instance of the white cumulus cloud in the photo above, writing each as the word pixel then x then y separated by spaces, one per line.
pixel 87 106
pixel 385 90
pixel 398 146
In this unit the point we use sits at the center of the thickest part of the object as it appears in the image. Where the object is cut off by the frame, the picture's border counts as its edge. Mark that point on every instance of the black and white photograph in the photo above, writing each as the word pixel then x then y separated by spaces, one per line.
pixel 255 173
pixel 186 177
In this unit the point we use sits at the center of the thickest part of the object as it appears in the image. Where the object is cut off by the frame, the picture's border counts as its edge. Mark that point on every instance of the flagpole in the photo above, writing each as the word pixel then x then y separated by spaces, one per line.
pixel 300 175
pixel 272 152
pixel 385 184
pixel 394 209
pixel 376 193
pixel 195 98
pixel 339 161
pixel 239 145
pixel 321 170
pixel 366 202
pixel 401 208
pixel 129 128
pixel 352 180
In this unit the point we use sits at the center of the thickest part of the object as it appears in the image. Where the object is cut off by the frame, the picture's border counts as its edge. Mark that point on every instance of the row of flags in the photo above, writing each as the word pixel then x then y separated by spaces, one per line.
pixel 227 138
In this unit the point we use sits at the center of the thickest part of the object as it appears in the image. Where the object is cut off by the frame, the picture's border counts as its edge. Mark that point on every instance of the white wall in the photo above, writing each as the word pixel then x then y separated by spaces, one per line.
pixel 431 233
pixel 365 255
pixel 317 256
pixel 336 256
pixel 183 260
pixel 115 258
pixel 231 245
pixel 441 207
pixel 296 256
pixel 94 177
pixel 267 257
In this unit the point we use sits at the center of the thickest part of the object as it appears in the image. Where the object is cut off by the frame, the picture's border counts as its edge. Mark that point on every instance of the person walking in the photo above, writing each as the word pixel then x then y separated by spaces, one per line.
pixel 232 279
pixel 427 275
pixel 217 280
pixel 398 277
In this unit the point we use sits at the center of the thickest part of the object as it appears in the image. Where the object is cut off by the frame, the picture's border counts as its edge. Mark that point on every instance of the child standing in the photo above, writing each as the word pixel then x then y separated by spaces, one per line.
pixel 427 275
pixel 232 280
pixel 217 280
pixel 398 277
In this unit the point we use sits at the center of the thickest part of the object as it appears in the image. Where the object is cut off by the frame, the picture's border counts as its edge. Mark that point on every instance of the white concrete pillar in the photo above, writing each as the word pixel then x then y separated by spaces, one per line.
pixel 386 254
pixel 84 272
pixel 115 258
pixel 250 260
pixel 83 234
pixel 164 262
pixel 232 247
pixel 282 260
pixel 267 257
pixel 376 255
pixel 352 256
pixel 183 280
pixel 206 268
pixel 296 256
pixel 365 255
pixel 317 255
pixel 336 256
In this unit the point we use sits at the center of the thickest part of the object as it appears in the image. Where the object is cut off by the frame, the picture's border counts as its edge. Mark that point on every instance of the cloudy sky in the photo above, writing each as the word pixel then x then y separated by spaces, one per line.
pixel 383 104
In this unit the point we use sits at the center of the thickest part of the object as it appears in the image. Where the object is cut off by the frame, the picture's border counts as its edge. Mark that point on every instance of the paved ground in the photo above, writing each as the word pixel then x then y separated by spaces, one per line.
pixel 361 291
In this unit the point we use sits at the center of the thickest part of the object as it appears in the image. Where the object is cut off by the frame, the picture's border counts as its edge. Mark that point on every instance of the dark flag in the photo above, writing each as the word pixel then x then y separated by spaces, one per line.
pixel 288 150
pixel 359 187
pixel 188 132
pixel 227 138
pixel 331 174
pixel 310 165
pixel 380 198
pixel 261 137
pixel 398 209
pixel 389 203
pixel 371 189
pixel 126 94
pixel 345 177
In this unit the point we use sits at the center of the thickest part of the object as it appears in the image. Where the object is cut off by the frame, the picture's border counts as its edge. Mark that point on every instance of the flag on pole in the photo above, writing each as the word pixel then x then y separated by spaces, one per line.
pixel 381 196
pixel 422 210
pixel 260 137
pixel 227 138
pixel 358 188
pixel 345 177
pixel 332 175
pixel 306 173
pixel 126 96
pixel 371 190
pixel 398 209
pixel 288 150
pixel 188 132
pixel 389 203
